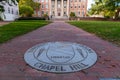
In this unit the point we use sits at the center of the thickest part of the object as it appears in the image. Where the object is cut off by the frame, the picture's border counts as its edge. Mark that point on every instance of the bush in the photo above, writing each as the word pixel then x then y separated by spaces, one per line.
pixel 72 14
pixel 107 17
pixel 31 18
pixel 46 16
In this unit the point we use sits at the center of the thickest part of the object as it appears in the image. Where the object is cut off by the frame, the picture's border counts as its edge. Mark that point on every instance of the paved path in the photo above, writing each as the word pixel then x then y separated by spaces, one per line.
pixel 13 67
pixel 3 23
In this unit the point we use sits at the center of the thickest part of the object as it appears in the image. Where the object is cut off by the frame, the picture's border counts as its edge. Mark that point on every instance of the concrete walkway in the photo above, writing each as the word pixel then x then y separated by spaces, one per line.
pixel 13 66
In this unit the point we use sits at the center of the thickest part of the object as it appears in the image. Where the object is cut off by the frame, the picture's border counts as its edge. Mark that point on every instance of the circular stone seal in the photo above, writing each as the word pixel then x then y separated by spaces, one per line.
pixel 60 57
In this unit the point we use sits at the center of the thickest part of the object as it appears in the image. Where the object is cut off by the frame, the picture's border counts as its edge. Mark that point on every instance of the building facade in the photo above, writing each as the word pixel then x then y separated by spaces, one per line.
pixel 62 8
pixel 11 10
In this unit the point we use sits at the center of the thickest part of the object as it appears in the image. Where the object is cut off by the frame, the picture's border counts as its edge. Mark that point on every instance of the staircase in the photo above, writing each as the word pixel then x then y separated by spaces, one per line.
pixel 60 19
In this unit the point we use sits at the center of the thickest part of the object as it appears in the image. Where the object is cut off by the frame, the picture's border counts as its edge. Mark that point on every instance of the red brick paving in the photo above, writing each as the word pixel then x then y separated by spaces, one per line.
pixel 3 23
pixel 13 66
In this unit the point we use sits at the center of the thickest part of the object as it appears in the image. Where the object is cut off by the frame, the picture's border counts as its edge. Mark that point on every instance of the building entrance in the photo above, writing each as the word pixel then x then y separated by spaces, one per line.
pixel 59 14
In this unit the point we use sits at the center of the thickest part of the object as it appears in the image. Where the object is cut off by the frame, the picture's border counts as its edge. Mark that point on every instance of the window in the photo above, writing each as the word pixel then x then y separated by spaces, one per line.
pixel 8 10
pixel 52 2
pixel 79 13
pixel 42 1
pixel 12 11
pixel 16 12
pixel 46 12
pixel 83 13
pixel 42 6
pixel 64 12
pixel 42 12
pixel 65 5
pixel 46 5
pixel 71 6
pixel 52 6
pixel 65 2
pixel 75 13
pixel 83 6
pixel 39 13
pixel 53 12
pixel 35 12
pixel 59 2
pixel 58 5
pixel 83 0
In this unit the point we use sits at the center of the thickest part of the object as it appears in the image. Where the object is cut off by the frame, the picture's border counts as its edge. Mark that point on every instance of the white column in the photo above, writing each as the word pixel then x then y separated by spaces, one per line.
pixel 68 8
pixel 62 7
pixel 50 7
pixel 56 8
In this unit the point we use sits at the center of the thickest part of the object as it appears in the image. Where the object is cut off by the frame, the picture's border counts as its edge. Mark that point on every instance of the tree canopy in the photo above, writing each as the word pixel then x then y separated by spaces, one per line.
pixel 26 11
pixel 108 8
pixel 28 4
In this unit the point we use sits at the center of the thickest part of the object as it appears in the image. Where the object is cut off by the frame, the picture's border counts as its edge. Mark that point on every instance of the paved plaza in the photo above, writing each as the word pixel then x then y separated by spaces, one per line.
pixel 13 66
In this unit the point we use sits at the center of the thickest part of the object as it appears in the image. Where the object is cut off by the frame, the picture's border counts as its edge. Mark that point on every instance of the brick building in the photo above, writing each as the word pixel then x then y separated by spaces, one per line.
pixel 62 8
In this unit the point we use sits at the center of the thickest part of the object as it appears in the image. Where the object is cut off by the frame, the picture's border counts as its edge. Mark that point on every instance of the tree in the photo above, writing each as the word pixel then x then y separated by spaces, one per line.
pixel 113 5
pixel 17 0
pixel 1 11
pixel 30 3
pixel 36 6
pixel 22 2
pixel 26 11
pixel 108 8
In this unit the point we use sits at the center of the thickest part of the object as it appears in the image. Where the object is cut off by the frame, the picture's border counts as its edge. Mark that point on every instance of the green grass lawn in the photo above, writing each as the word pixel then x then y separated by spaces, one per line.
pixel 17 28
pixel 105 29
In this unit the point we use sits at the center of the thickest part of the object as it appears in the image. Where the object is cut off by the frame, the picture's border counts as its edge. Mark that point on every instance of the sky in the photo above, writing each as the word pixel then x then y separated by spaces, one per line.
pixel 89 3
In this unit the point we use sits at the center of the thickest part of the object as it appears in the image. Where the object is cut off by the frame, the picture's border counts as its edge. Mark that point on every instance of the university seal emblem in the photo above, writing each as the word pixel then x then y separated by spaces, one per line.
pixel 60 57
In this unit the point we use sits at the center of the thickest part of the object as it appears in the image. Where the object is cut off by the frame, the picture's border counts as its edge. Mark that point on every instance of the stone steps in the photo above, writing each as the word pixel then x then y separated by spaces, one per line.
pixel 60 19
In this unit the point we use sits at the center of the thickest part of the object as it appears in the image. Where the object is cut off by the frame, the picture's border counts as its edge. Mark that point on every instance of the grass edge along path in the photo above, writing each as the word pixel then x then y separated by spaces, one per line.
pixel 106 30
pixel 17 28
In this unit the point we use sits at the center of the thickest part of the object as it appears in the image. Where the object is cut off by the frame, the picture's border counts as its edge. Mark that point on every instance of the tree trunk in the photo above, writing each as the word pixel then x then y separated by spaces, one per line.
pixel 117 13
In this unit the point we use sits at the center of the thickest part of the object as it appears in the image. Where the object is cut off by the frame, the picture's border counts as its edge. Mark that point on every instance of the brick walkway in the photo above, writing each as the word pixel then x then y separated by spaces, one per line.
pixel 13 67
pixel 3 23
